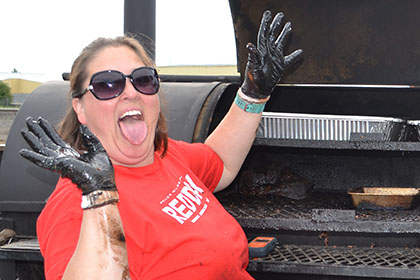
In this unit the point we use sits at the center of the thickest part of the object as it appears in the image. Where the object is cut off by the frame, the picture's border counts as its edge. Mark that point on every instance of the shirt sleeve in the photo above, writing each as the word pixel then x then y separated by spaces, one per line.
pixel 58 228
pixel 203 161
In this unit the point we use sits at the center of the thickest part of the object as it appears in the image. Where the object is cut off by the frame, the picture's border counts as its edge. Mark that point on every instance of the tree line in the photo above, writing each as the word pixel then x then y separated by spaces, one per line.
pixel 5 94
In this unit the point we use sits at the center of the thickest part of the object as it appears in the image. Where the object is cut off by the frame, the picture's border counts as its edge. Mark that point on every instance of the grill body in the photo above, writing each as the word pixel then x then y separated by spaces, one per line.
pixel 323 235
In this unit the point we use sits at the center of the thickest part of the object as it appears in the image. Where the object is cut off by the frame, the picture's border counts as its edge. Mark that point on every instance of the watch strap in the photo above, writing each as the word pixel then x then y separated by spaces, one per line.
pixel 99 198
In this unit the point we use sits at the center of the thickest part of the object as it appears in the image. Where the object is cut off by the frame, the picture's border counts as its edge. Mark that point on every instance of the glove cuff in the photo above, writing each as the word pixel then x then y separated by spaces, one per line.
pixel 99 198
pixel 252 99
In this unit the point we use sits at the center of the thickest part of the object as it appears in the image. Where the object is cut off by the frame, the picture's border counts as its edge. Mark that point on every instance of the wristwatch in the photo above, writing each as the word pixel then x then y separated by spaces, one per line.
pixel 99 198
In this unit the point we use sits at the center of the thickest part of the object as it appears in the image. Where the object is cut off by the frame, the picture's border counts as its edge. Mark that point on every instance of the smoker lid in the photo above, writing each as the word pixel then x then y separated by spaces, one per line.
pixel 344 42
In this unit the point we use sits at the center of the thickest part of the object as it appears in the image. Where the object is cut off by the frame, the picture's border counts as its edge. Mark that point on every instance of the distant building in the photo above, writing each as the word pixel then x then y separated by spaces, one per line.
pixel 21 84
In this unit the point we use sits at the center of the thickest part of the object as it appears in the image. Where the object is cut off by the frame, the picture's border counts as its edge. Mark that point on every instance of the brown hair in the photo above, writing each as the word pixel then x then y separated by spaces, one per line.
pixel 69 126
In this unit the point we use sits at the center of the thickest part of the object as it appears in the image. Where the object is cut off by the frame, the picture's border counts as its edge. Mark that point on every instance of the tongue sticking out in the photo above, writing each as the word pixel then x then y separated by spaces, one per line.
pixel 134 130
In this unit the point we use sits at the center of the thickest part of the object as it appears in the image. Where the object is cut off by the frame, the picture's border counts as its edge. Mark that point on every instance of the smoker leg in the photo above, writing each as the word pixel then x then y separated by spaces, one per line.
pixel 7 270
pixel 30 270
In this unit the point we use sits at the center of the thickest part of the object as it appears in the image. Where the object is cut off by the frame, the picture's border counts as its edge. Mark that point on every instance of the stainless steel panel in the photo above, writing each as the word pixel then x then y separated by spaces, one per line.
pixel 326 127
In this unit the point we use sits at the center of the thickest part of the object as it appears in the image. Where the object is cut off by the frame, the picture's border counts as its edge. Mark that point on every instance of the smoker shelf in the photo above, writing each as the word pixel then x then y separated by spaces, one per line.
pixel 21 250
pixel 402 263
pixel 331 212
pixel 340 145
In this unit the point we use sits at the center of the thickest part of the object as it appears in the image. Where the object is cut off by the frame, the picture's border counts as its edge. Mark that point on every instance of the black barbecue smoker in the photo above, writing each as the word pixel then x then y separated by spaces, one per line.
pixel 334 172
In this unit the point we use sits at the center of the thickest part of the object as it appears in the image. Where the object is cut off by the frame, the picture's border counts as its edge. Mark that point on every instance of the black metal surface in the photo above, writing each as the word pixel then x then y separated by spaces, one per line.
pixel 21 180
pixel 324 235
pixel 322 211
pixel 359 100
pixel 384 263
pixel 140 21
pixel 21 259
pixel 340 145
pixel 21 270
pixel 29 270
pixel 184 103
pixel 335 169
pixel 207 113
pixel 21 255
pixel 20 216
pixel 353 42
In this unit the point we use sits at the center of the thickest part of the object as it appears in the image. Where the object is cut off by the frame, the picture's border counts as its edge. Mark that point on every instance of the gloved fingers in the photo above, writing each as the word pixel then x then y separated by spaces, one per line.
pixel 91 142
pixel 35 143
pixel 64 148
pixel 293 57
pixel 282 38
pixel 39 132
pixel 39 159
pixel 263 32
pixel 51 132
pixel 275 27
pixel 253 58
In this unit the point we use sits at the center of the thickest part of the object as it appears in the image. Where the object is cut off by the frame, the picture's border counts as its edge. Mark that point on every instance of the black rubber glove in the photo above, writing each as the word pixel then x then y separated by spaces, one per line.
pixel 90 171
pixel 266 63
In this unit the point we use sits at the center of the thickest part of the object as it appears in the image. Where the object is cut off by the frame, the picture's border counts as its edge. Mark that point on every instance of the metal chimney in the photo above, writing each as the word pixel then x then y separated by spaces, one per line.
pixel 140 22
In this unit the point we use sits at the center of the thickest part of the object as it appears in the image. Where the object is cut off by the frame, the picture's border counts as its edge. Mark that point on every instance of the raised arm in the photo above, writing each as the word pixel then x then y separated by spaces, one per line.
pixel 101 250
pixel 233 137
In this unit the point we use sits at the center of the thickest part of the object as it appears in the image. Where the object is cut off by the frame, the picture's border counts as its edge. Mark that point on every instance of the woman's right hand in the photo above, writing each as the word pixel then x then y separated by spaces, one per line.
pixel 91 171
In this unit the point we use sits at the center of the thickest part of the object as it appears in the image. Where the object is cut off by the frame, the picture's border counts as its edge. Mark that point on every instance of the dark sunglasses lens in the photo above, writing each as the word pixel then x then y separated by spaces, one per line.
pixel 145 80
pixel 107 85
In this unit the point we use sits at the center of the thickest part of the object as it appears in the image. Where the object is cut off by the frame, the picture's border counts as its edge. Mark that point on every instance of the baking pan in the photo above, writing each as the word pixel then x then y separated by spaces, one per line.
pixel 328 127
pixel 383 197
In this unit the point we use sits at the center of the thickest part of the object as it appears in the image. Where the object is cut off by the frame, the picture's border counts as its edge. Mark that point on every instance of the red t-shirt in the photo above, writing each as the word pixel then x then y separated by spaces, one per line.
pixel 174 227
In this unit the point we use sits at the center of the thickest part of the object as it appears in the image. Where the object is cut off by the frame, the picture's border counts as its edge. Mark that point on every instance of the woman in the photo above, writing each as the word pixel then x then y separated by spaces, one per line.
pixel 144 208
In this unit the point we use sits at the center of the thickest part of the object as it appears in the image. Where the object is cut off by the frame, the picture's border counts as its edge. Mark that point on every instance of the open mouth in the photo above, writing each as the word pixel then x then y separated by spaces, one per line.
pixel 133 114
pixel 133 127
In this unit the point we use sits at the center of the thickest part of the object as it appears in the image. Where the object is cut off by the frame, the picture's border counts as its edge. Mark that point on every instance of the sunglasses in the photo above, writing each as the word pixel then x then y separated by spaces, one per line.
pixel 109 84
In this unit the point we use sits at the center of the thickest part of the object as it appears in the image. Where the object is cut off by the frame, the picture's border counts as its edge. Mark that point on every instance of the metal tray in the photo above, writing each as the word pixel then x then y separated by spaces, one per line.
pixel 328 127
pixel 411 130
pixel 384 197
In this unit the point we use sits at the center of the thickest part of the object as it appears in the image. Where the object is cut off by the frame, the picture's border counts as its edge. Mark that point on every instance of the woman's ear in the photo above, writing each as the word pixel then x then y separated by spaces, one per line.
pixel 79 109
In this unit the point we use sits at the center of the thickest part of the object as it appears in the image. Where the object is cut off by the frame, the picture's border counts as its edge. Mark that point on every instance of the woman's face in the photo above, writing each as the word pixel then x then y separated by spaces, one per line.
pixel 125 125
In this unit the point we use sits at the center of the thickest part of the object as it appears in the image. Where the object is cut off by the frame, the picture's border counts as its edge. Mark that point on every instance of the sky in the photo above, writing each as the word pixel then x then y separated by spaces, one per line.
pixel 45 36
